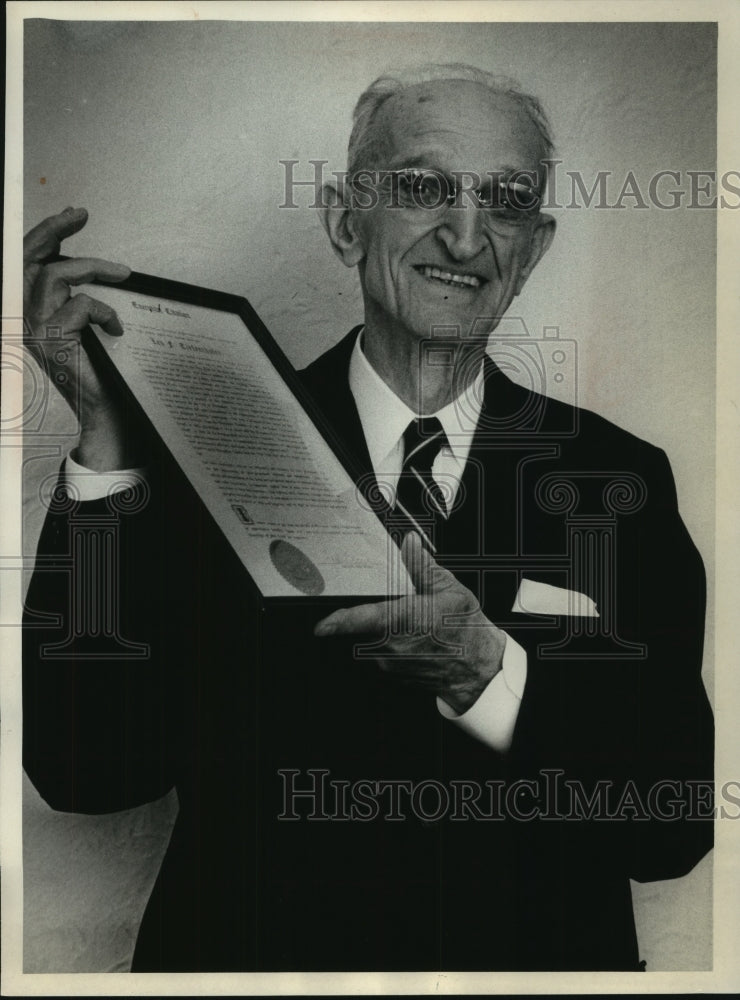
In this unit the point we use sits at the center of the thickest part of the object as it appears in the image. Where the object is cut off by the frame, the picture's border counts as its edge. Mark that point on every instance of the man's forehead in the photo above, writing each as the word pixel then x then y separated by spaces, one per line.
pixel 457 115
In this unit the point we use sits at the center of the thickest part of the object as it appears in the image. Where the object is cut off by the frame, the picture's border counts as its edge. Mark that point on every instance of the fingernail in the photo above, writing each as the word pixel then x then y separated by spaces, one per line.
pixel 68 210
pixel 323 628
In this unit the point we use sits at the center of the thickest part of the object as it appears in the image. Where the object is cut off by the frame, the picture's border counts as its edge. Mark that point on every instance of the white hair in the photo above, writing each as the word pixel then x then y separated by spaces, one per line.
pixel 365 146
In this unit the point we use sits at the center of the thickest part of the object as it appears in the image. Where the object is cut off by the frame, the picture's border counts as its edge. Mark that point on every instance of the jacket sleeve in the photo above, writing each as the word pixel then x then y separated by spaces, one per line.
pixel 621 719
pixel 101 718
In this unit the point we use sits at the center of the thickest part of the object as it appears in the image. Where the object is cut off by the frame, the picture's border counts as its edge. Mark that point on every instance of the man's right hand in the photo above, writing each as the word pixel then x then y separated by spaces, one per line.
pixel 52 315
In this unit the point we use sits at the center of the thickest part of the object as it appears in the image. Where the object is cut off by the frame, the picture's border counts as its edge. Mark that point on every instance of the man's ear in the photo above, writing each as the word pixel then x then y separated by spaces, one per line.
pixel 542 237
pixel 340 225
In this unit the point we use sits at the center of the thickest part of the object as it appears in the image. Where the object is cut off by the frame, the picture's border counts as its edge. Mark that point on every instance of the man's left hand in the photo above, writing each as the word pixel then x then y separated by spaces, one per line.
pixel 437 639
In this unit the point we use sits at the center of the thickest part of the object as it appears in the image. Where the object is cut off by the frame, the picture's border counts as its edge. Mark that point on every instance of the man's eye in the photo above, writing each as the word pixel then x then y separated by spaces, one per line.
pixel 429 190
pixel 518 197
pixel 422 189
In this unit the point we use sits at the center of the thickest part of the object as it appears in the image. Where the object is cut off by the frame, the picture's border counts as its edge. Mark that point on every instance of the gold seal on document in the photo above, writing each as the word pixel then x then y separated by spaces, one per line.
pixel 295 567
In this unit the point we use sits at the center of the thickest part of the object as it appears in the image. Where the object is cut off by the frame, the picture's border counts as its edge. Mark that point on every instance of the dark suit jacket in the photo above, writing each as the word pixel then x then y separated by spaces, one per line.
pixel 232 704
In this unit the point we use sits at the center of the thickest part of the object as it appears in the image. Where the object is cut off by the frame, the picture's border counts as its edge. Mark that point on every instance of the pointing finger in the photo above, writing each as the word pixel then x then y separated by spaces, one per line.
pixel 45 239
pixel 365 619
pixel 426 574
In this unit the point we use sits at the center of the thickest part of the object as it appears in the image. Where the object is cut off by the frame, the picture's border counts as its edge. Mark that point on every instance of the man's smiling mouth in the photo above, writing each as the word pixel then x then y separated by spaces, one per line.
pixel 452 278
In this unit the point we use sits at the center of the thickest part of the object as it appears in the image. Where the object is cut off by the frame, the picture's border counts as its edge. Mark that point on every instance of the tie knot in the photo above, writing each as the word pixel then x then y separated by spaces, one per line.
pixel 422 441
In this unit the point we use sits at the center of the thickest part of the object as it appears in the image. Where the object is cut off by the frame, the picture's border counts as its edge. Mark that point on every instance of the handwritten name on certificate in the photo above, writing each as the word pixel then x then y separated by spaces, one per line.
pixel 270 480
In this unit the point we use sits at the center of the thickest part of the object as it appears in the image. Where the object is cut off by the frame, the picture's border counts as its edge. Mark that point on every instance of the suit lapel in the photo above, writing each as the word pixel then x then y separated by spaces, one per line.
pixel 327 380
pixel 484 525
pixel 486 522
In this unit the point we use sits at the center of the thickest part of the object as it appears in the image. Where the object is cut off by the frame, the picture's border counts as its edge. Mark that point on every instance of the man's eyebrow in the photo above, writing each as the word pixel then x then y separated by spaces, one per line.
pixel 509 173
pixel 399 162
pixel 505 172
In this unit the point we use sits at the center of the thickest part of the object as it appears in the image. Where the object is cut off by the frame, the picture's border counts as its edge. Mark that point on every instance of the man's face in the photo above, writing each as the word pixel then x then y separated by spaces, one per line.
pixel 448 126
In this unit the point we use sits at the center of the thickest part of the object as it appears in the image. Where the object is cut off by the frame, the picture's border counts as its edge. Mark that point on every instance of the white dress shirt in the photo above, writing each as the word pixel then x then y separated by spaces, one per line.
pixel 384 418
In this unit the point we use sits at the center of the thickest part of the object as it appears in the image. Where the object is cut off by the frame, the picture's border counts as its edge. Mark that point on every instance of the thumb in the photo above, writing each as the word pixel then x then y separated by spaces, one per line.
pixel 426 574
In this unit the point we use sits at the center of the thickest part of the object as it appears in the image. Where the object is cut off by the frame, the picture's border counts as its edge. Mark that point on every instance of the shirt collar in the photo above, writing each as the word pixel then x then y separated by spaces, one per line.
pixel 384 416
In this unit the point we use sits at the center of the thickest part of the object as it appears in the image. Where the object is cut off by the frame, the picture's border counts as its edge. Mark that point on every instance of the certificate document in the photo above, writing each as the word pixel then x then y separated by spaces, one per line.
pixel 214 393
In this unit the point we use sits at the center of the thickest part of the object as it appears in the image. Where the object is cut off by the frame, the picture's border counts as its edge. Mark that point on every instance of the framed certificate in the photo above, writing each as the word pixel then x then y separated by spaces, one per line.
pixel 231 411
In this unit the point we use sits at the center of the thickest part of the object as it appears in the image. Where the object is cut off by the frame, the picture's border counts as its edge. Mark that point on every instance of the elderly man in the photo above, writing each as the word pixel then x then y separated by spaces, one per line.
pixel 543 684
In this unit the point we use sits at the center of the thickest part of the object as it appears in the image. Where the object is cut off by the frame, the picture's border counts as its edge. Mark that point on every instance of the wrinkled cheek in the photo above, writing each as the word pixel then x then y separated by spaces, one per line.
pixel 381 283
pixel 373 280
pixel 508 269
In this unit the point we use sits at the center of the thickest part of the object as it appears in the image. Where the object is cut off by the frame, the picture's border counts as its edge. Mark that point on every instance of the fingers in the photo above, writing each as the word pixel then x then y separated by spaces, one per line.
pixel 403 616
pixel 81 309
pixel 45 239
pixel 51 288
pixel 409 615
pixel 80 270
pixel 71 318
pixel 49 306
pixel 365 619
pixel 426 574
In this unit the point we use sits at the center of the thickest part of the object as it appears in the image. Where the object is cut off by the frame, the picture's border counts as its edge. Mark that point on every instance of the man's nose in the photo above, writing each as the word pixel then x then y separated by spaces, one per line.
pixel 463 231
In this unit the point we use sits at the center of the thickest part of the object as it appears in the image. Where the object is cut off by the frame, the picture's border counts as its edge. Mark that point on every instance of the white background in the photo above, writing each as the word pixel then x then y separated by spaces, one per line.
pixel 171 136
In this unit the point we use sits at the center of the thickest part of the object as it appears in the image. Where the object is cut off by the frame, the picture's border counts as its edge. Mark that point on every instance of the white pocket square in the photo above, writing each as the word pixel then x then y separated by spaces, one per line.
pixel 535 598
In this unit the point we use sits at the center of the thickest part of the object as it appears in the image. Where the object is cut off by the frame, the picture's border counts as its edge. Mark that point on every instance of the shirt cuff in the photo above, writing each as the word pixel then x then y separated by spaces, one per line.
pixel 493 716
pixel 86 484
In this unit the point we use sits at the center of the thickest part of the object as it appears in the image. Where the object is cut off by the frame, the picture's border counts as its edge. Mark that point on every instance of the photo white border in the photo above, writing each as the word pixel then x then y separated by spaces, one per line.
pixel 725 977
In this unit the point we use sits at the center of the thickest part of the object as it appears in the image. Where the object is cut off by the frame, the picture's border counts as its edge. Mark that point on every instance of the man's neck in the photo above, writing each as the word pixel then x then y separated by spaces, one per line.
pixel 424 385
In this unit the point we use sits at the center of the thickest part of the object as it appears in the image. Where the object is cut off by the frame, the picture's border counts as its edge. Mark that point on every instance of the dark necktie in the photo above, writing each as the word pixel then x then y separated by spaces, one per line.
pixel 418 495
